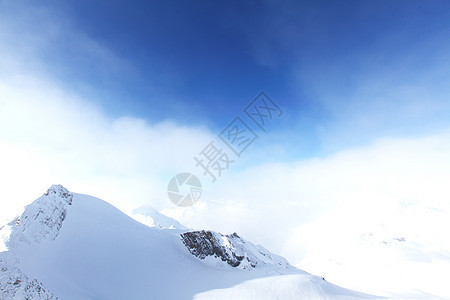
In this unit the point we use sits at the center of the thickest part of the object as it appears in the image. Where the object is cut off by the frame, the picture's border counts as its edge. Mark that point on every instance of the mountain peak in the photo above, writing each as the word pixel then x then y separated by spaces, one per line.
pixel 43 218
pixel 59 191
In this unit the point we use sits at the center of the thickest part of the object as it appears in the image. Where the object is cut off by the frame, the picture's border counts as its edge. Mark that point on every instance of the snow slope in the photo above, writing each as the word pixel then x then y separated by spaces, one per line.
pixel 75 246
pixel 294 286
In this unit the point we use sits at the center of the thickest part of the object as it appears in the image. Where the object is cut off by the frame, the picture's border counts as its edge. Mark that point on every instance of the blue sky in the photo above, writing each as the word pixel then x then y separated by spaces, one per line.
pixel 151 83
pixel 345 73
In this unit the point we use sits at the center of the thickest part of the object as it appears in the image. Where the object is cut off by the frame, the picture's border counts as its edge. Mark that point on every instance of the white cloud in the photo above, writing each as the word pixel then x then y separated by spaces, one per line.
pixel 49 134
pixel 319 213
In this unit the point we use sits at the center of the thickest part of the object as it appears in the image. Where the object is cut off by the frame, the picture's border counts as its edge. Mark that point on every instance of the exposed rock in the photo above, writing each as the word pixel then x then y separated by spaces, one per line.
pixel 16 285
pixel 231 249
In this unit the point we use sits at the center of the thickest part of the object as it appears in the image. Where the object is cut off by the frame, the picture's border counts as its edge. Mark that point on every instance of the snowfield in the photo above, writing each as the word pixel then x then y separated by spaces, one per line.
pixel 294 286
pixel 73 246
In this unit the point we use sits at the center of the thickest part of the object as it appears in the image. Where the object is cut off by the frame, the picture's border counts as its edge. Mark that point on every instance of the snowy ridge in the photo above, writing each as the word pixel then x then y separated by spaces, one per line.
pixel 231 250
pixel 41 220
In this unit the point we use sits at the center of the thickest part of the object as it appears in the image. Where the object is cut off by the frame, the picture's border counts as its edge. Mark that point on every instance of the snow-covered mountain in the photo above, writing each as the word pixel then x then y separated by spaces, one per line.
pixel 153 218
pixel 73 246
